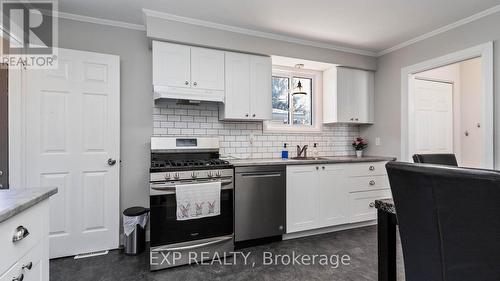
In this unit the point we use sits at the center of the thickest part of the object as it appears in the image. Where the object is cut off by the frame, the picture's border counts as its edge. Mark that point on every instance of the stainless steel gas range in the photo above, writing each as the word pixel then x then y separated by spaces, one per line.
pixel 182 161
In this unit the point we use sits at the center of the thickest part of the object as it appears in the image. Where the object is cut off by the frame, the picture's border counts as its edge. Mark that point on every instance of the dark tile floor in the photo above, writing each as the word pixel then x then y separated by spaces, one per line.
pixel 360 244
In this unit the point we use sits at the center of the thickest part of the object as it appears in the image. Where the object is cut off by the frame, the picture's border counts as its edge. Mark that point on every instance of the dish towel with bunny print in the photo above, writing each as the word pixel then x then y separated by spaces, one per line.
pixel 200 200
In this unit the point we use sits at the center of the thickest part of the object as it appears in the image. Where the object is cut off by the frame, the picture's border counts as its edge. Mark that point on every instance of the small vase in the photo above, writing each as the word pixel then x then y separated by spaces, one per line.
pixel 359 153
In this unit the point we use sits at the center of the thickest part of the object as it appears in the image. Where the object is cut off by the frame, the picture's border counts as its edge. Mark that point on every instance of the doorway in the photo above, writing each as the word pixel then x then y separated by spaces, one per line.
pixel 447 107
pixel 447 112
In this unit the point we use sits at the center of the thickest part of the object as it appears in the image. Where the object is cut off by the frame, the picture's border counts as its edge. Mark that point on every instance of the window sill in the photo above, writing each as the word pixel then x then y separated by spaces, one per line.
pixel 269 128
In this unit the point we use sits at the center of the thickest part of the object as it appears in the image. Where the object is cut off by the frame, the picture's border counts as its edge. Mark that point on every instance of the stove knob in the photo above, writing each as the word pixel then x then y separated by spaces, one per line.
pixel 194 175
pixel 210 175
pixel 167 176
pixel 218 174
pixel 176 176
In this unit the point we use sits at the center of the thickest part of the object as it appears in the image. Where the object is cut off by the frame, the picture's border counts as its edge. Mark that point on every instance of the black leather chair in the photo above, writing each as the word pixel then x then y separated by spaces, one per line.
pixel 438 159
pixel 449 221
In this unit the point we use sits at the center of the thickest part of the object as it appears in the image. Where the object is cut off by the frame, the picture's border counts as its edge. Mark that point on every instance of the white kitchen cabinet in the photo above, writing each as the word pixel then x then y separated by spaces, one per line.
pixel 260 88
pixel 171 65
pixel 316 197
pixel 248 88
pixel 185 72
pixel 28 258
pixel 333 208
pixel 236 104
pixel 302 198
pixel 333 194
pixel 207 69
pixel 348 96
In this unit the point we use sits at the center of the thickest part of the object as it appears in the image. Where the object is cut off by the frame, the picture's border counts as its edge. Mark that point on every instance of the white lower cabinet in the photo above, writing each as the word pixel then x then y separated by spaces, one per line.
pixel 28 258
pixel 327 195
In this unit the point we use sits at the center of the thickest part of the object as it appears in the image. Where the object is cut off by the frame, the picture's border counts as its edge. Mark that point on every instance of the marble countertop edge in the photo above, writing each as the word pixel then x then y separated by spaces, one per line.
pixel 14 201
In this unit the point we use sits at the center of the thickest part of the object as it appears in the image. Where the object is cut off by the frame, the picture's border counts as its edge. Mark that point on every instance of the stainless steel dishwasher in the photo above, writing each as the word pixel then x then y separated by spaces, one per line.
pixel 260 202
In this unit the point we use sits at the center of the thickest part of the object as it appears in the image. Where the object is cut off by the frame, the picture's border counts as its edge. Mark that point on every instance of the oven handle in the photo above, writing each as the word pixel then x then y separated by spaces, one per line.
pixel 163 186
pixel 194 246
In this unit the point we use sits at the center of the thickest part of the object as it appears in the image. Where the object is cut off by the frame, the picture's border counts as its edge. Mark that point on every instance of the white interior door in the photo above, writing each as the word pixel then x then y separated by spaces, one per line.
pixel 73 128
pixel 432 117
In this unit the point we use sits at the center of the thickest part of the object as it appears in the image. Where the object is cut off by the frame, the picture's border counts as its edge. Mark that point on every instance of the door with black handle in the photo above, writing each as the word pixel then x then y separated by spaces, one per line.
pixel 260 202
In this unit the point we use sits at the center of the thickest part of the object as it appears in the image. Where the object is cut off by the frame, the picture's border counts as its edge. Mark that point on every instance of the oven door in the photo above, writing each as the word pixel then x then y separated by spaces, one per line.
pixel 166 229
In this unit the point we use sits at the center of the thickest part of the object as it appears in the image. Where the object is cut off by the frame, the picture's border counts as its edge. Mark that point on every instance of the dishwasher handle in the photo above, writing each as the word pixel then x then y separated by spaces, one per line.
pixel 261 175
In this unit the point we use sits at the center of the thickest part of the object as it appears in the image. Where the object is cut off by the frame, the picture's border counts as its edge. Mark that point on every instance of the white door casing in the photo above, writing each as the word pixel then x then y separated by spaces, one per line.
pixel 73 128
pixel 432 117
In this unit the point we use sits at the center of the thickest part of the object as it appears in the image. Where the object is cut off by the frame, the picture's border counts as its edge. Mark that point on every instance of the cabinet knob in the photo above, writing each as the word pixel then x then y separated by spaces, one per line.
pixel 186 83
pixel 352 119
pixel 18 278
pixel 317 168
pixel 253 115
pixel 27 266
pixel 372 182
pixel 372 168
pixel 195 84
pixel 356 119
pixel 246 115
pixel 323 167
pixel 372 205
pixel 20 233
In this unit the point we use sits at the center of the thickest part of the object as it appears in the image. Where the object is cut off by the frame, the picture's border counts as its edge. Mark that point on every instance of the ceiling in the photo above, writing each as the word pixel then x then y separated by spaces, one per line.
pixel 362 24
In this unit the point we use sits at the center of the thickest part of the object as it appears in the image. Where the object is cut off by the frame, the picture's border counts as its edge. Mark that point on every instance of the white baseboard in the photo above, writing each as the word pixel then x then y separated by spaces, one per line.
pixel 327 229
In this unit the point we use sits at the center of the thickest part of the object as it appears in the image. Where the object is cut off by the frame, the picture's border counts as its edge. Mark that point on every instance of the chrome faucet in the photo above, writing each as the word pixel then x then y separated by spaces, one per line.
pixel 302 150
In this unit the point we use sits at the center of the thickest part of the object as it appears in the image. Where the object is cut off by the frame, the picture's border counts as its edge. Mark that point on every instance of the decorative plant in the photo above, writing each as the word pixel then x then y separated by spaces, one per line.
pixel 359 144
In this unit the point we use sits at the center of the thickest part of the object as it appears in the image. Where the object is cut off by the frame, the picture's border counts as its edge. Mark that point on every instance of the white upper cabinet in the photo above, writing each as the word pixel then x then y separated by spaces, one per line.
pixel 171 65
pixel 248 88
pixel 237 102
pixel 348 95
pixel 260 88
pixel 185 72
pixel 207 69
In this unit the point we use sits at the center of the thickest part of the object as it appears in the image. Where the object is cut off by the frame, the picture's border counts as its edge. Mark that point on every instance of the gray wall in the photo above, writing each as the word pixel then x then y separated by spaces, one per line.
pixel 136 97
pixel 388 79
pixel 136 91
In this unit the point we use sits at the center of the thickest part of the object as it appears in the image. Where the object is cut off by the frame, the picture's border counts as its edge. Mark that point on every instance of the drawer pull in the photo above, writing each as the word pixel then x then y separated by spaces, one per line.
pixel 27 266
pixel 372 182
pixel 18 278
pixel 372 168
pixel 20 234
pixel 372 205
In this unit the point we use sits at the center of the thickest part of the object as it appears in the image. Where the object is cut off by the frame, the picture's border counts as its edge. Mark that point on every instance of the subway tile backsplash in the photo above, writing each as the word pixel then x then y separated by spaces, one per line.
pixel 180 120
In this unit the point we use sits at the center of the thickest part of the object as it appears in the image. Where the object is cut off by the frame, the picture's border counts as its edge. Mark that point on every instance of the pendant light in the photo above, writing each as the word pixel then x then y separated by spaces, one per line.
pixel 298 90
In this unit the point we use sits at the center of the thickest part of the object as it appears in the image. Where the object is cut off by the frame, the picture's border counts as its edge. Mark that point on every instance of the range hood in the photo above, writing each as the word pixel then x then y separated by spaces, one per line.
pixel 179 93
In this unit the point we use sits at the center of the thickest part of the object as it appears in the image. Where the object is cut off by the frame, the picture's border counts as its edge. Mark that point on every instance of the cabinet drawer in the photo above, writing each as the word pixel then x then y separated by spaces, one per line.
pixel 367 183
pixel 32 220
pixel 28 268
pixel 366 169
pixel 363 204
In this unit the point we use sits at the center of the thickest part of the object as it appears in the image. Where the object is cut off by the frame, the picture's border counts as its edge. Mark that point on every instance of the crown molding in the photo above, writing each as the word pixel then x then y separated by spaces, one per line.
pixel 101 21
pixel 443 29
pixel 251 32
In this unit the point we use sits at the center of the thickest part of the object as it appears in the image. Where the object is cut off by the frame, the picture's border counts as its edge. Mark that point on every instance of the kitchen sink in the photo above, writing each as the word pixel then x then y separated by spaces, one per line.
pixel 308 158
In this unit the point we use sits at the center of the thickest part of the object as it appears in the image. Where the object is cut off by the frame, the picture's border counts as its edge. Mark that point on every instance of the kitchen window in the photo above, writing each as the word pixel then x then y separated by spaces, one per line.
pixel 296 95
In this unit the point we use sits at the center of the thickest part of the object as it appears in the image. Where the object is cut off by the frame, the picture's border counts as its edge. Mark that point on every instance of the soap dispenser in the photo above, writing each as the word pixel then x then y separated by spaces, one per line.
pixel 284 152
pixel 315 150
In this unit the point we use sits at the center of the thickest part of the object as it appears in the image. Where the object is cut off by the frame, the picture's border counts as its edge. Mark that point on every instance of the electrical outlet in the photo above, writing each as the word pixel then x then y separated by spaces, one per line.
pixel 251 138
pixel 377 141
